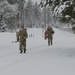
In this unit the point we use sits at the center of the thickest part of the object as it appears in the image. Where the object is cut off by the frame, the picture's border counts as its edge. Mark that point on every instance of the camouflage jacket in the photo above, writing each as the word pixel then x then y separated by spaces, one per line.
pixel 22 35
pixel 49 33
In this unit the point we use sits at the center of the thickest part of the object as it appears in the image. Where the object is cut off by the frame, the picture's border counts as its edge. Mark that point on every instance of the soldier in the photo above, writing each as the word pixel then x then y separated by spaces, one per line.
pixel 22 36
pixel 49 35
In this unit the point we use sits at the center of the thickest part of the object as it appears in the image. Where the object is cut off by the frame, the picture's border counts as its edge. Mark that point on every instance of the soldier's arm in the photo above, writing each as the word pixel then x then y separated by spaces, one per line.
pixel 26 34
pixel 53 31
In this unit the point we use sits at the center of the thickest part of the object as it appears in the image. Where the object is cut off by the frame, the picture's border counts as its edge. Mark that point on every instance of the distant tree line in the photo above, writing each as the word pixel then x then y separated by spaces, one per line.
pixel 14 12
pixel 63 10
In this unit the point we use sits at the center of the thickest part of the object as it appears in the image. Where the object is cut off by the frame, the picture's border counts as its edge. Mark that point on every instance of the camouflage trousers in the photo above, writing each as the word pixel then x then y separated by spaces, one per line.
pixel 50 41
pixel 22 45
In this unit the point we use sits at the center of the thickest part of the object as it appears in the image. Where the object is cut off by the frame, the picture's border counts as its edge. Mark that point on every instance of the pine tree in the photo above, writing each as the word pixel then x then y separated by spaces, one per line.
pixel 37 15
pixel 29 13
pixel 12 1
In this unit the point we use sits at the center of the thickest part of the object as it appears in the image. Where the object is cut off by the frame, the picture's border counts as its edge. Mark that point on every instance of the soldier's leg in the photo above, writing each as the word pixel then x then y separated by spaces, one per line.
pixel 48 42
pixel 24 45
pixel 51 41
pixel 20 47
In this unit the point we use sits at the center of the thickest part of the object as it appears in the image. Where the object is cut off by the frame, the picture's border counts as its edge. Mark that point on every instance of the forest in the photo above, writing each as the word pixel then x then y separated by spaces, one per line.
pixel 14 13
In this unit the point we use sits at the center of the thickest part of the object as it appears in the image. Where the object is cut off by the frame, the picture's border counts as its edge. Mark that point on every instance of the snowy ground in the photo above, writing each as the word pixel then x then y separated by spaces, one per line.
pixel 40 59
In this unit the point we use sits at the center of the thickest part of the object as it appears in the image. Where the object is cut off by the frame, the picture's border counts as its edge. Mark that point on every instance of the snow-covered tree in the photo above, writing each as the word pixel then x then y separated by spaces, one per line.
pixel 37 15
pixel 12 1
pixel 21 4
pixel 8 11
pixel 29 13
pixel 63 10
pixel 45 3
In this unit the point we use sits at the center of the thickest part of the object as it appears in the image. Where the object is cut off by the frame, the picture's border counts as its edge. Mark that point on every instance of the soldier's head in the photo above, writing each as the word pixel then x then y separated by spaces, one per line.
pixel 25 29
pixel 22 28
pixel 49 27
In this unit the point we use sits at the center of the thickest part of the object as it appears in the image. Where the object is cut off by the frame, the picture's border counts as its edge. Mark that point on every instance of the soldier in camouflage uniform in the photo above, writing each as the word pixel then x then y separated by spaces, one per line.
pixel 22 36
pixel 49 35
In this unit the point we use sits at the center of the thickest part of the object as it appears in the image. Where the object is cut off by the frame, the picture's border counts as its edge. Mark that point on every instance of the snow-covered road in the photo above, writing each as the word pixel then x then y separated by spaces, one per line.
pixel 40 59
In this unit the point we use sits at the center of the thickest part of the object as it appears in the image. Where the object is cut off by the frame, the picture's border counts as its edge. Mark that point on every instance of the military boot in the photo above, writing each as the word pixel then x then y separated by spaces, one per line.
pixel 24 50
pixel 20 51
pixel 51 43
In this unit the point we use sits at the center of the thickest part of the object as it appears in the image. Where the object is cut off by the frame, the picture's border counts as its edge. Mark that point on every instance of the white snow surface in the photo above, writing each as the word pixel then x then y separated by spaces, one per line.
pixel 40 59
